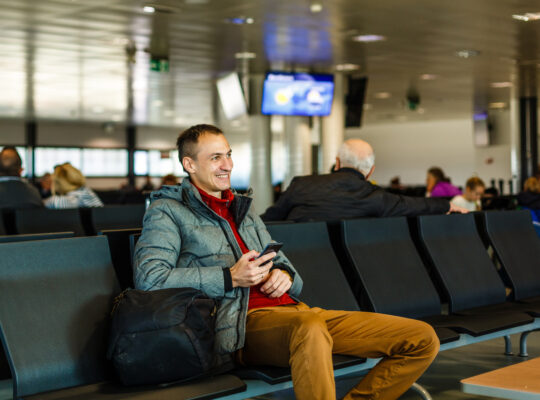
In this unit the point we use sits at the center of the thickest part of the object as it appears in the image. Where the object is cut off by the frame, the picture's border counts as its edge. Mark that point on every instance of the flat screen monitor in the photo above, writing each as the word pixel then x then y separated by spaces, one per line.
pixel 231 96
pixel 481 129
pixel 297 94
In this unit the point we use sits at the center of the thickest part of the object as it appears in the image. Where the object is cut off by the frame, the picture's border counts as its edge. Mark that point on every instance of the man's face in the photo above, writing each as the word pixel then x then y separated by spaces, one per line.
pixel 211 167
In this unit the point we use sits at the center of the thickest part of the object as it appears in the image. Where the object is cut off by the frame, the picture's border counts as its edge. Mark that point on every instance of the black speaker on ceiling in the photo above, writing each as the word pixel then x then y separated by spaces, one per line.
pixel 354 101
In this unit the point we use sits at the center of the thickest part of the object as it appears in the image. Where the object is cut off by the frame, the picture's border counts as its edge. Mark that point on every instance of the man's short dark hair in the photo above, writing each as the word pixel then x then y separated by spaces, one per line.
pixel 187 140
pixel 10 162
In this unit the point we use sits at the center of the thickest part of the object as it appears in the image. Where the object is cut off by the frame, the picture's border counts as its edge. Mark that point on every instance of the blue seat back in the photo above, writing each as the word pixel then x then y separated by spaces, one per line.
pixel 55 301
pixel 129 216
pixel 308 247
pixel 35 236
pixel 44 220
pixel 390 270
pixel 517 246
pixel 458 256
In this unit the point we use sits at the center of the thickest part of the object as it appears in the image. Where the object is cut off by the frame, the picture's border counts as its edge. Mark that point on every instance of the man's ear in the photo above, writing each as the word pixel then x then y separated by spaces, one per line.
pixel 188 164
pixel 338 164
pixel 370 172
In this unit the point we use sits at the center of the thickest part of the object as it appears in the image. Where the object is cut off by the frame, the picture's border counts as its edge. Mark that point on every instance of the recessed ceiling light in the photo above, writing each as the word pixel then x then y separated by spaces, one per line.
pixel 315 7
pixel 467 53
pixel 382 95
pixel 149 9
pixel 245 55
pixel 527 16
pixel 240 20
pixel 497 105
pixel 500 84
pixel 428 77
pixel 368 38
pixel 347 67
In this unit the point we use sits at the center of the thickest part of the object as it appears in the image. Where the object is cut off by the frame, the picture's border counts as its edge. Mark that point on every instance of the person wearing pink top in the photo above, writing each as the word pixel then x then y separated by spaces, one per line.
pixel 438 185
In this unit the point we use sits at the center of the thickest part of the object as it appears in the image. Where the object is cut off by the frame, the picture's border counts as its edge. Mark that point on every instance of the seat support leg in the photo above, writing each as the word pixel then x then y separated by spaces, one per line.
pixel 508 346
pixel 423 393
pixel 523 344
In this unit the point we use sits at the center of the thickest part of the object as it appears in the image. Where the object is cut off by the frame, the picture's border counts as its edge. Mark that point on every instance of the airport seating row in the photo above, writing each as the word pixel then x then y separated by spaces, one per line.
pixel 55 295
pixel 80 221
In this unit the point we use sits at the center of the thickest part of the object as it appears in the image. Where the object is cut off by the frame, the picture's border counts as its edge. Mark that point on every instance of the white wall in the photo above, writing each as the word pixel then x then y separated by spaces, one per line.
pixel 409 149
pixel 156 138
pixel 12 132
pixel 80 134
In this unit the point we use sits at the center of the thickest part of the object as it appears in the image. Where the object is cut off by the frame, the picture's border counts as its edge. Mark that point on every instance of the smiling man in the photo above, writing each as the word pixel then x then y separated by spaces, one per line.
pixel 200 234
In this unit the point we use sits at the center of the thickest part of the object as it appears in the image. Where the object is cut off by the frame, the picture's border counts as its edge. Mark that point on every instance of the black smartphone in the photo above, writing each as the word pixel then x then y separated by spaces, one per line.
pixel 269 248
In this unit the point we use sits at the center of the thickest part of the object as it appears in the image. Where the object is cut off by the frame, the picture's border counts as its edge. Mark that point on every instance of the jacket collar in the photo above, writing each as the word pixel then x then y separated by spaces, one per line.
pixel 188 194
pixel 350 170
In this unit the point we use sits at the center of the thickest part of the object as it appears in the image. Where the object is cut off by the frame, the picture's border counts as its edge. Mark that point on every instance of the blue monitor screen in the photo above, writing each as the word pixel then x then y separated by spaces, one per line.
pixel 297 94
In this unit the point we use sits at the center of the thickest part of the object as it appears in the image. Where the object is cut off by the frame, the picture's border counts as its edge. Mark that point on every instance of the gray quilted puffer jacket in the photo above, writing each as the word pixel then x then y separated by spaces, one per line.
pixel 186 244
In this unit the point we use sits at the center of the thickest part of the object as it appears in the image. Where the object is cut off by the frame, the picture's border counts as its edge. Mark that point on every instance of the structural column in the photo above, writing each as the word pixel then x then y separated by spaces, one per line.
pixel 298 145
pixel 528 133
pixel 261 144
pixel 333 126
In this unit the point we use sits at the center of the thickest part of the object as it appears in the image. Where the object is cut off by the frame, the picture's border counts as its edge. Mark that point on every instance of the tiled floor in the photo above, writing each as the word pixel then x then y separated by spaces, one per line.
pixel 441 379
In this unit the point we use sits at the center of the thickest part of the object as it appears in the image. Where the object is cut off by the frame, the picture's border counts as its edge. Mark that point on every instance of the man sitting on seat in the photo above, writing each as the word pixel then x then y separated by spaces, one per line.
pixel 347 193
pixel 200 234
pixel 14 192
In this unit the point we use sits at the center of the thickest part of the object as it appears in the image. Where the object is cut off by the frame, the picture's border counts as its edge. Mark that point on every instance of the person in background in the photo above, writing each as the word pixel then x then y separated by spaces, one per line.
pixel 14 192
pixel 530 196
pixel 169 179
pixel 148 185
pixel 471 198
pixel 438 185
pixel 44 185
pixel 69 190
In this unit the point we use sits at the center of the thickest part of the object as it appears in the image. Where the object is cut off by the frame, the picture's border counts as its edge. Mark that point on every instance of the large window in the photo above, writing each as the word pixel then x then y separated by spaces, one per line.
pixel 104 162
pixel 91 162
pixel 158 163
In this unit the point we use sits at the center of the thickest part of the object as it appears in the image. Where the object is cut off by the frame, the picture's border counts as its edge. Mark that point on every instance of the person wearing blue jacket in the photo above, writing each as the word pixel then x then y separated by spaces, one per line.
pixel 200 234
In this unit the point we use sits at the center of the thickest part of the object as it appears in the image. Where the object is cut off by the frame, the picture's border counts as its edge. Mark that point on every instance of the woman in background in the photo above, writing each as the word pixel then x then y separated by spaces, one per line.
pixel 69 190
pixel 438 185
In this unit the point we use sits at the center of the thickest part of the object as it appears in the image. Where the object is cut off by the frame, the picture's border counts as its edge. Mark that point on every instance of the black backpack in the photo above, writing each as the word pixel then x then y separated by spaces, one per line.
pixel 162 336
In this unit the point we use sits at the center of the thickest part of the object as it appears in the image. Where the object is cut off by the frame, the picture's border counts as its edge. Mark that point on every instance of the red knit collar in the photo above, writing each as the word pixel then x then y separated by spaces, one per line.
pixel 214 202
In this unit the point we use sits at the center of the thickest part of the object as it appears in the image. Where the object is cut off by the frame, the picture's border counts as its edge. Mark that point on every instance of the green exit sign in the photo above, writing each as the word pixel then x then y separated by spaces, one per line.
pixel 159 65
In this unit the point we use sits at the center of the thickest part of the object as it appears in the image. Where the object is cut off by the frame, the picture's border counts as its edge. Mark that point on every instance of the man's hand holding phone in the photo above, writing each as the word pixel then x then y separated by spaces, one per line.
pixel 253 267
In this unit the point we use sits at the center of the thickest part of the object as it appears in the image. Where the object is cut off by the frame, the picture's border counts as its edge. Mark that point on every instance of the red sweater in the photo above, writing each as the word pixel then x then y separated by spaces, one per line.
pixel 257 299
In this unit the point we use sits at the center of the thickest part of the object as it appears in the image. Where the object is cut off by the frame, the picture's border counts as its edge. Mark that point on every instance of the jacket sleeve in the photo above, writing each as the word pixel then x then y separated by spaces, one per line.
pixel 280 260
pixel 280 210
pixel 157 252
pixel 398 205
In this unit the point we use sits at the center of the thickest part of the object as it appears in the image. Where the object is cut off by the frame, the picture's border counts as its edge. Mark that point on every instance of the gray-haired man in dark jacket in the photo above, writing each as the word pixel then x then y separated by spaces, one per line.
pixel 347 193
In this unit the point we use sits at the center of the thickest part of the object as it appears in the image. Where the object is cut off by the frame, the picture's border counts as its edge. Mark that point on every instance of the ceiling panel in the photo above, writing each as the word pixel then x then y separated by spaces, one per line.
pixel 71 54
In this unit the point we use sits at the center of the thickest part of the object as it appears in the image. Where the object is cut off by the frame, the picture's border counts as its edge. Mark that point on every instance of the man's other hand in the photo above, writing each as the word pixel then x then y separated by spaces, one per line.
pixel 248 270
pixel 457 209
pixel 277 283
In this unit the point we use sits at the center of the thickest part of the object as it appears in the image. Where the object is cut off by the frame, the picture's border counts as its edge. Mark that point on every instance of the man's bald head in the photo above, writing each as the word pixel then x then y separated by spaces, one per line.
pixel 10 162
pixel 357 154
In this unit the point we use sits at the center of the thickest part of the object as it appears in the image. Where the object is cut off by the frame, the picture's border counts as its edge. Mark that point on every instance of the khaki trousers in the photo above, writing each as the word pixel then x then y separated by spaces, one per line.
pixel 304 338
